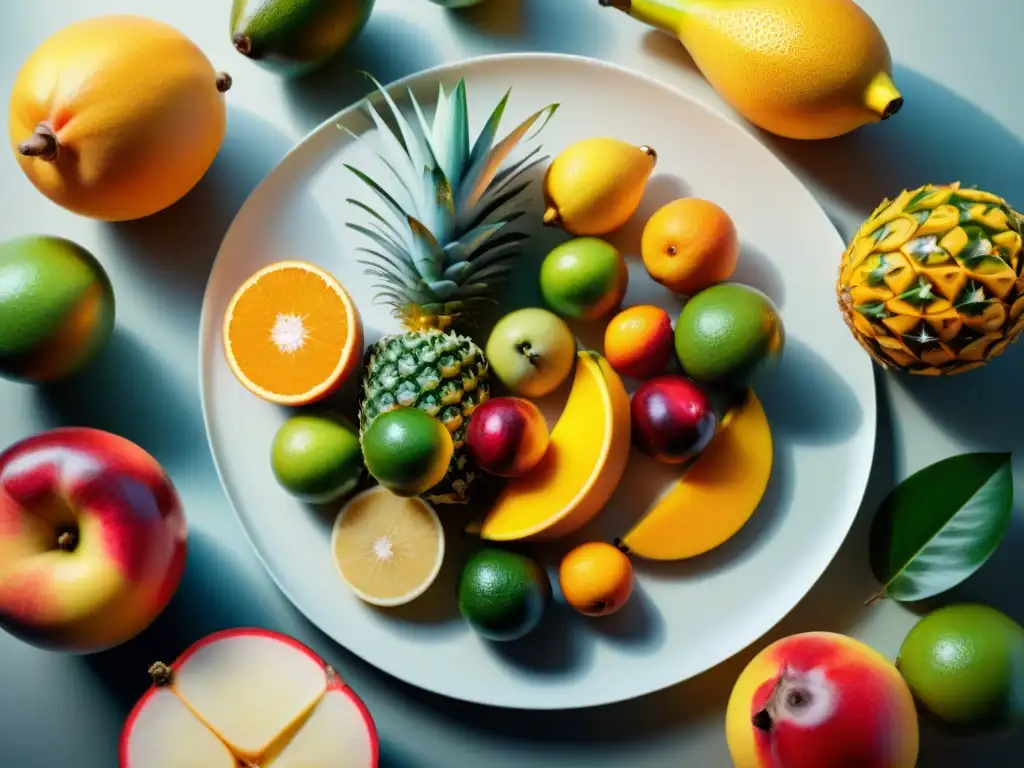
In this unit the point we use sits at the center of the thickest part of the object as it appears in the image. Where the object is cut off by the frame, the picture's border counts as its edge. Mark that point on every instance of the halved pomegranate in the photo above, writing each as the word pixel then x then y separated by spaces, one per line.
pixel 252 698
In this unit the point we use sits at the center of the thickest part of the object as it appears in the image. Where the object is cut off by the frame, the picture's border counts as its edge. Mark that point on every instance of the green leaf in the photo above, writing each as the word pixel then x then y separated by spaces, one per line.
pixel 941 524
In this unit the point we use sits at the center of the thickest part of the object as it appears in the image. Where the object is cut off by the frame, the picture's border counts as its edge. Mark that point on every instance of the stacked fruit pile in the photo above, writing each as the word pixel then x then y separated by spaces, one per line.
pixel 429 432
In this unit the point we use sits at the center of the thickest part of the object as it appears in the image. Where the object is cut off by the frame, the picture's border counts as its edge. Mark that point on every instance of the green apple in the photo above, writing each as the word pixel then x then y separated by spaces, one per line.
pixel 531 351
pixel 584 278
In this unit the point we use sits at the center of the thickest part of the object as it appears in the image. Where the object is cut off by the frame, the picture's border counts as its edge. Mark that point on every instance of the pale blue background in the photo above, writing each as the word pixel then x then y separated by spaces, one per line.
pixel 959 65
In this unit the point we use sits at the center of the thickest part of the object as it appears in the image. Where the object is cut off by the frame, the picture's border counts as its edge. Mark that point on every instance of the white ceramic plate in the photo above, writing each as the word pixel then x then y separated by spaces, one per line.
pixel 684 618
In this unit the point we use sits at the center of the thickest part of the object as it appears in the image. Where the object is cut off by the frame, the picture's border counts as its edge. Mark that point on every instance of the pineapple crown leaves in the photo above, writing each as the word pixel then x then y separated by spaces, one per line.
pixel 447 241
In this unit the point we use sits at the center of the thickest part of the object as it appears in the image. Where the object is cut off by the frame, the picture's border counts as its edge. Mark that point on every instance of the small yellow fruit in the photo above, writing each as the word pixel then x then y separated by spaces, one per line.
pixel 596 579
pixel 594 186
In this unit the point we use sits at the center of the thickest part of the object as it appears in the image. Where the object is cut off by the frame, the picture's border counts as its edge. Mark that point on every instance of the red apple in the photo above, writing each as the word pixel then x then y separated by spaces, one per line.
pixel 92 540
pixel 507 436
pixel 821 699
pixel 248 697
pixel 672 419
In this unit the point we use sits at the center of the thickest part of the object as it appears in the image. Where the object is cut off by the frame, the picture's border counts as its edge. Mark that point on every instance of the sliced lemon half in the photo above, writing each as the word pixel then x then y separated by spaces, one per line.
pixel 387 549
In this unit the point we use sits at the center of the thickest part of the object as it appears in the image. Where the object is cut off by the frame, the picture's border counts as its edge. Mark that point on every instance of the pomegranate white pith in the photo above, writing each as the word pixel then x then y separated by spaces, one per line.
pixel 249 697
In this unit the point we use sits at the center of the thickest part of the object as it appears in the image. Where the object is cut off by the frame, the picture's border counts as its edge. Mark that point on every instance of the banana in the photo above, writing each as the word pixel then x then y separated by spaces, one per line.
pixel 583 465
pixel 715 497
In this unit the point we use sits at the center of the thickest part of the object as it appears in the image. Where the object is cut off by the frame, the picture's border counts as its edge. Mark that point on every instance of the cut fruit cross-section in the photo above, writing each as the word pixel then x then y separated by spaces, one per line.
pixel 253 698
pixel 292 334
pixel 387 548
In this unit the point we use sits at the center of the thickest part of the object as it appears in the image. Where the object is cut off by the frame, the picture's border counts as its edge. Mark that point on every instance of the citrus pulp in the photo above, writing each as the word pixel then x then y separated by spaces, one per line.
pixel 388 549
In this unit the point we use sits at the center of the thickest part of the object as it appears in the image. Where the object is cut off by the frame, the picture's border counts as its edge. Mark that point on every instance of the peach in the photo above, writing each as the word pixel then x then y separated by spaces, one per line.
pixel 821 699
pixel 92 540
pixel 248 697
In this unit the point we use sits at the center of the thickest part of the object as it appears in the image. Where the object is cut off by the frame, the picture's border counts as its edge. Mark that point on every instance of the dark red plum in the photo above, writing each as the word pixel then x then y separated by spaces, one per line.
pixel 672 419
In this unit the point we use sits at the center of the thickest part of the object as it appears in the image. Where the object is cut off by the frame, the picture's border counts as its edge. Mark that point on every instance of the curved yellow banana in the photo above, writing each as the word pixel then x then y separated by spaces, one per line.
pixel 582 467
pixel 715 497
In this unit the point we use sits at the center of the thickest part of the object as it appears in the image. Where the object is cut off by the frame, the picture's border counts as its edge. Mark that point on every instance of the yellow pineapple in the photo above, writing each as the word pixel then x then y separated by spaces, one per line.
pixel 932 284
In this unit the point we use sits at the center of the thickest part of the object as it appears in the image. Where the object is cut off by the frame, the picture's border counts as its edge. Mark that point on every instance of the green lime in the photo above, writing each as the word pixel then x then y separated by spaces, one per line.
pixel 316 457
pixel 584 278
pixel 965 665
pixel 56 308
pixel 728 335
pixel 407 451
pixel 502 594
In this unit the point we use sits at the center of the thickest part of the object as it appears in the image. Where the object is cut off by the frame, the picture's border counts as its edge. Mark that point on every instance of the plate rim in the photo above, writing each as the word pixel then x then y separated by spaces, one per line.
pixel 870 418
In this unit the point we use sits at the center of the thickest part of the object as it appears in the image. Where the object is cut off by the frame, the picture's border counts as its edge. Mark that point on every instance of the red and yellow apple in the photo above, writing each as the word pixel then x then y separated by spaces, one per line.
pixel 821 699
pixel 248 697
pixel 92 540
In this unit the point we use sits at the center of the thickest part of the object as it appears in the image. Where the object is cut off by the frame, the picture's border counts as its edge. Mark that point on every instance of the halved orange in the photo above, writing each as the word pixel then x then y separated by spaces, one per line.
pixel 292 334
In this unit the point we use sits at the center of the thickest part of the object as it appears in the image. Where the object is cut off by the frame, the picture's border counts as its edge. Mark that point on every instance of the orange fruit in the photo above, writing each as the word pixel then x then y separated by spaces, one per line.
pixel 292 334
pixel 596 578
pixel 638 341
pixel 689 245
pixel 117 117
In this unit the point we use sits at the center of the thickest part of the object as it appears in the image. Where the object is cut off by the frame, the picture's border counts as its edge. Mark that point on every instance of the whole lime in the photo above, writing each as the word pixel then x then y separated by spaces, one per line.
pixel 965 665
pixel 502 594
pixel 729 335
pixel 407 451
pixel 56 308
pixel 316 457
pixel 584 278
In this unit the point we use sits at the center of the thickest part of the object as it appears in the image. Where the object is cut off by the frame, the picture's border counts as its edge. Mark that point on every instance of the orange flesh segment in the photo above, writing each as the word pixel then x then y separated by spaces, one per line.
pixel 581 468
pixel 289 331
pixel 716 496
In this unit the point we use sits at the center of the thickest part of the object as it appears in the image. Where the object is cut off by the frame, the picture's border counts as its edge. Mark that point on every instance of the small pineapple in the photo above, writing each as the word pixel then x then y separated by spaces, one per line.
pixel 932 282
pixel 442 246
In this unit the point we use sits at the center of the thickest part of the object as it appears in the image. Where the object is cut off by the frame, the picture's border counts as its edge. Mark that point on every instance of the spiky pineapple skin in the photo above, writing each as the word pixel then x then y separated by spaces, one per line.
pixel 442 373
pixel 932 283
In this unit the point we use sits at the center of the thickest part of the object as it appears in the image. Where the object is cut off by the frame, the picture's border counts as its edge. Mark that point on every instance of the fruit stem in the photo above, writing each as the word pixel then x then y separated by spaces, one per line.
pixel 551 217
pixel 650 151
pixel 882 97
pixel 161 674
pixel 243 44
pixel 224 82
pixel 67 541
pixel 880 594
pixel 527 349
pixel 42 143
pixel 666 15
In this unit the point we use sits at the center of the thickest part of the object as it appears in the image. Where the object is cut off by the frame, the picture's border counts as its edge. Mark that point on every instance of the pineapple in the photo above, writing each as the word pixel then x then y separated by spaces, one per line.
pixel 932 283
pixel 441 247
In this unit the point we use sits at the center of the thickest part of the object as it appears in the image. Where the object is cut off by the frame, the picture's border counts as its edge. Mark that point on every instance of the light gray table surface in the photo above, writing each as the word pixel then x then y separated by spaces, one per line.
pixel 959 65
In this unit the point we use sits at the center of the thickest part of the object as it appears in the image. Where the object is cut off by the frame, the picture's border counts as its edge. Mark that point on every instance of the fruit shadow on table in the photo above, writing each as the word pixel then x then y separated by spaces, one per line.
pixel 214 594
pixel 175 249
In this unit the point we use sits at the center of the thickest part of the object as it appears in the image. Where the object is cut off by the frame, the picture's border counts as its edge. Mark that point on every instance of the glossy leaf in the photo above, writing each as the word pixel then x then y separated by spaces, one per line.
pixel 941 524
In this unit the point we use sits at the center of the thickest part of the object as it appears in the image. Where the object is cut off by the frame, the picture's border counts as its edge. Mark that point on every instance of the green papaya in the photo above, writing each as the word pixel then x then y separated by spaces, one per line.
pixel 293 37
